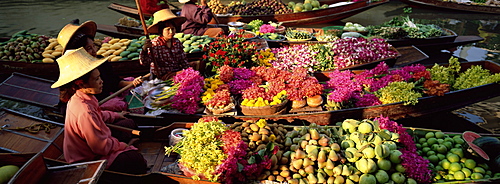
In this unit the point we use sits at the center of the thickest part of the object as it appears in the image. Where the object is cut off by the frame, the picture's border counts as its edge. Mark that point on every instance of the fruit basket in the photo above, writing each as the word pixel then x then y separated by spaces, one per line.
pixel 265 110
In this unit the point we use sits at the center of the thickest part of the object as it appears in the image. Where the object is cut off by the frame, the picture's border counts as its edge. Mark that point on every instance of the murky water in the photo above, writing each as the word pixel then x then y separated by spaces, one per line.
pixel 48 17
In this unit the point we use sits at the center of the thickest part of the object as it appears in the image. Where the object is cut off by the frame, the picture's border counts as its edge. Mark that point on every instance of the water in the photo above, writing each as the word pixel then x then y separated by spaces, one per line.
pixel 48 17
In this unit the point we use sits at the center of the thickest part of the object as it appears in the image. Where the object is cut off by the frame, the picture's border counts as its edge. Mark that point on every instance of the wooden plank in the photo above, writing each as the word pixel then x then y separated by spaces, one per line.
pixel 30 89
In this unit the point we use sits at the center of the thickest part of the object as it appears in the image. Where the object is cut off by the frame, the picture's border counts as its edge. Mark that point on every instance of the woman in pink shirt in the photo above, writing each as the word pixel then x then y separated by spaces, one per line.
pixel 86 136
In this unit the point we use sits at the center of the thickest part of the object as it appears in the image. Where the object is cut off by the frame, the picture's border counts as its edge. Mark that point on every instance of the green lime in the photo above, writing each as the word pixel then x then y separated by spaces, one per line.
pixel 476 176
pixel 422 140
pixel 459 140
pixel 446 164
pixel 426 149
pixel 449 177
pixel 458 151
pixel 439 168
pixel 433 159
pixel 429 135
pixel 453 158
pixel 459 175
pixel 479 170
pixel 448 144
pixel 441 156
pixel 441 148
pixel 467 172
pixel 455 166
pixel 448 139
pixel 439 135
pixel 431 141
pixel 431 153
pixel 440 141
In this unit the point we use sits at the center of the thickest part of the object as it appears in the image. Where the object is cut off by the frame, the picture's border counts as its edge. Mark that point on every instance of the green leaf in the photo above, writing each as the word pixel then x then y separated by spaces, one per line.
pixel 240 167
pixel 251 160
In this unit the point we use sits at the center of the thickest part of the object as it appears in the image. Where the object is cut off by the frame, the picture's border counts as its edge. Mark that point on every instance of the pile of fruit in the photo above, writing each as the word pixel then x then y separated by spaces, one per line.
pixel 260 7
pixel 297 35
pixel 306 5
pixel 24 47
pixel 193 43
pixel 217 7
pixel 449 159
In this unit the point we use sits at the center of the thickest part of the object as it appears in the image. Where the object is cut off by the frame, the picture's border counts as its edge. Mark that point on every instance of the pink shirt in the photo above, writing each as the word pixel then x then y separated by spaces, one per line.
pixel 86 136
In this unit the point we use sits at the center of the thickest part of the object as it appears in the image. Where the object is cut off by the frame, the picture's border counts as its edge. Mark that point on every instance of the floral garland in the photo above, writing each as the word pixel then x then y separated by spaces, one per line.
pixel 415 165
pixel 187 98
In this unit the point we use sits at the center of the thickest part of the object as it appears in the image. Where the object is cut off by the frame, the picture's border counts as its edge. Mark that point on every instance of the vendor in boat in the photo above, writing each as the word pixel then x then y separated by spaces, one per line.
pixel 197 18
pixel 86 136
pixel 74 36
pixel 164 54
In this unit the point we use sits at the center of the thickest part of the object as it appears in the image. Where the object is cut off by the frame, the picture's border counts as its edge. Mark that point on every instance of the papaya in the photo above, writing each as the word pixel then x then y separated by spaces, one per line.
pixel 124 53
pixel 133 55
pixel 7 172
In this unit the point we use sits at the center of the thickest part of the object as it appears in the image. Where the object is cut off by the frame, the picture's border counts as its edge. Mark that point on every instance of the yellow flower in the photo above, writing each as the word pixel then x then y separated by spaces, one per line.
pixel 261 123
pixel 272 138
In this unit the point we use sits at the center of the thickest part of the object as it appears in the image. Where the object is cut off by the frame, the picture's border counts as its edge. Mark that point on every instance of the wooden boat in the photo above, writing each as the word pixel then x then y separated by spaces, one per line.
pixel 22 133
pixel 302 18
pixel 153 149
pixel 450 36
pixel 451 5
pixel 34 169
pixel 51 70
pixel 425 106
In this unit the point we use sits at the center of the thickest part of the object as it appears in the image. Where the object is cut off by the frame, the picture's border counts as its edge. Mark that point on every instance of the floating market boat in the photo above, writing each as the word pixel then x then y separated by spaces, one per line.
pixel 453 5
pixel 425 106
pixel 33 168
pixel 334 13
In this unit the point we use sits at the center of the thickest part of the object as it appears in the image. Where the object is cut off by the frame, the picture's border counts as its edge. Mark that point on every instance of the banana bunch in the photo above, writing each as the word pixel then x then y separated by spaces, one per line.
pixel 114 48
pixel 52 51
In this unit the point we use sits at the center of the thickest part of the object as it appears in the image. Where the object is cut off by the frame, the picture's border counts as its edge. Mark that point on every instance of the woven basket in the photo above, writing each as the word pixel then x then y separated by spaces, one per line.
pixel 220 110
pixel 265 110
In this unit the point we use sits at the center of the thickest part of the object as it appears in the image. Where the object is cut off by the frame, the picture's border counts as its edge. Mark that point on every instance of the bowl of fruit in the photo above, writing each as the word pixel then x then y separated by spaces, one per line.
pixel 273 37
pixel 298 35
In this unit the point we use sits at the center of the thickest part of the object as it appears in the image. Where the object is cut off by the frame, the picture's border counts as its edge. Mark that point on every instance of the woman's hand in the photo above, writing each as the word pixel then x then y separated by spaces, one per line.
pixel 203 2
pixel 137 81
pixel 147 44
pixel 122 114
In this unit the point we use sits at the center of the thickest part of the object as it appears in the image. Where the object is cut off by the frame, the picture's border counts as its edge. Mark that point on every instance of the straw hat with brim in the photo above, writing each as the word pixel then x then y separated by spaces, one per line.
pixel 74 64
pixel 162 16
pixel 67 32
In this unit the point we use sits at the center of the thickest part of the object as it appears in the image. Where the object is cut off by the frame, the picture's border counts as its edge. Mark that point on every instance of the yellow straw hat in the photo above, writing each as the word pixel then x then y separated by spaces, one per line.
pixel 68 32
pixel 74 64
pixel 164 15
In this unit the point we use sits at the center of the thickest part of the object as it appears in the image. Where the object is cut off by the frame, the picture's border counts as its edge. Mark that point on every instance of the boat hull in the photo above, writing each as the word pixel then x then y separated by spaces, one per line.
pixel 451 5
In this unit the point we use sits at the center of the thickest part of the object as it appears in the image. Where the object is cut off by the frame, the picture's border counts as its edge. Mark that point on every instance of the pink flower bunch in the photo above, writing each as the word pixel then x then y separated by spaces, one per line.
pixel 352 51
pixel 416 166
pixel 187 97
pixel 267 28
pixel 296 56
pixel 235 148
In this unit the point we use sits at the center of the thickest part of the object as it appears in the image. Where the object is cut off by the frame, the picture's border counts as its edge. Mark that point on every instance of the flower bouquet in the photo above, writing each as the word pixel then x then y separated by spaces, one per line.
pixel 230 50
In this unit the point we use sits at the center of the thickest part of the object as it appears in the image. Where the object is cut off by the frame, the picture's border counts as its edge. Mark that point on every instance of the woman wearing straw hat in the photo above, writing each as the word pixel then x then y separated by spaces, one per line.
pixel 74 36
pixel 164 54
pixel 197 18
pixel 86 136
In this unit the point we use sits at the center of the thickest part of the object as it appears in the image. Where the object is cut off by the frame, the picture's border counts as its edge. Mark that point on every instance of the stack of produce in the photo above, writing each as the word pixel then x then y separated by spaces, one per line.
pixel 192 43
pixel 217 7
pixel 114 48
pixel 129 22
pixel 449 159
pixel 24 47
pixel 260 7
pixel 403 27
pixel 306 5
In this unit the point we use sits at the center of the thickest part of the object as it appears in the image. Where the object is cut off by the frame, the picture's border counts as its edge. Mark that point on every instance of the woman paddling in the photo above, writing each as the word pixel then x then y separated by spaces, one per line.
pixel 86 136
pixel 74 36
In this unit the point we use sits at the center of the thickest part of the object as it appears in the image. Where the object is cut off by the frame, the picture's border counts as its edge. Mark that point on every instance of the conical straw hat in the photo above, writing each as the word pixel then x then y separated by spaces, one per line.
pixel 74 64
pixel 164 15
pixel 67 32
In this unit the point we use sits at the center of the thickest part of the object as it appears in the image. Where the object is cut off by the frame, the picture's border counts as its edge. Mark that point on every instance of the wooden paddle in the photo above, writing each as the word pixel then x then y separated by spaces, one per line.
pixel 141 15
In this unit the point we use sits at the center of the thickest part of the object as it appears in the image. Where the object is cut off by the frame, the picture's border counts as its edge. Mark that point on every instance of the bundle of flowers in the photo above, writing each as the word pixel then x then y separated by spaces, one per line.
pixel 188 88
pixel 338 54
pixel 263 57
pixel 296 56
pixel 230 50
pixel 212 151
pixel 380 86
pixel 383 86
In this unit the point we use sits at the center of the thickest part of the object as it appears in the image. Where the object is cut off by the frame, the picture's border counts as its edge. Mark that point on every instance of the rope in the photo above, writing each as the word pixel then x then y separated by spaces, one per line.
pixel 35 128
